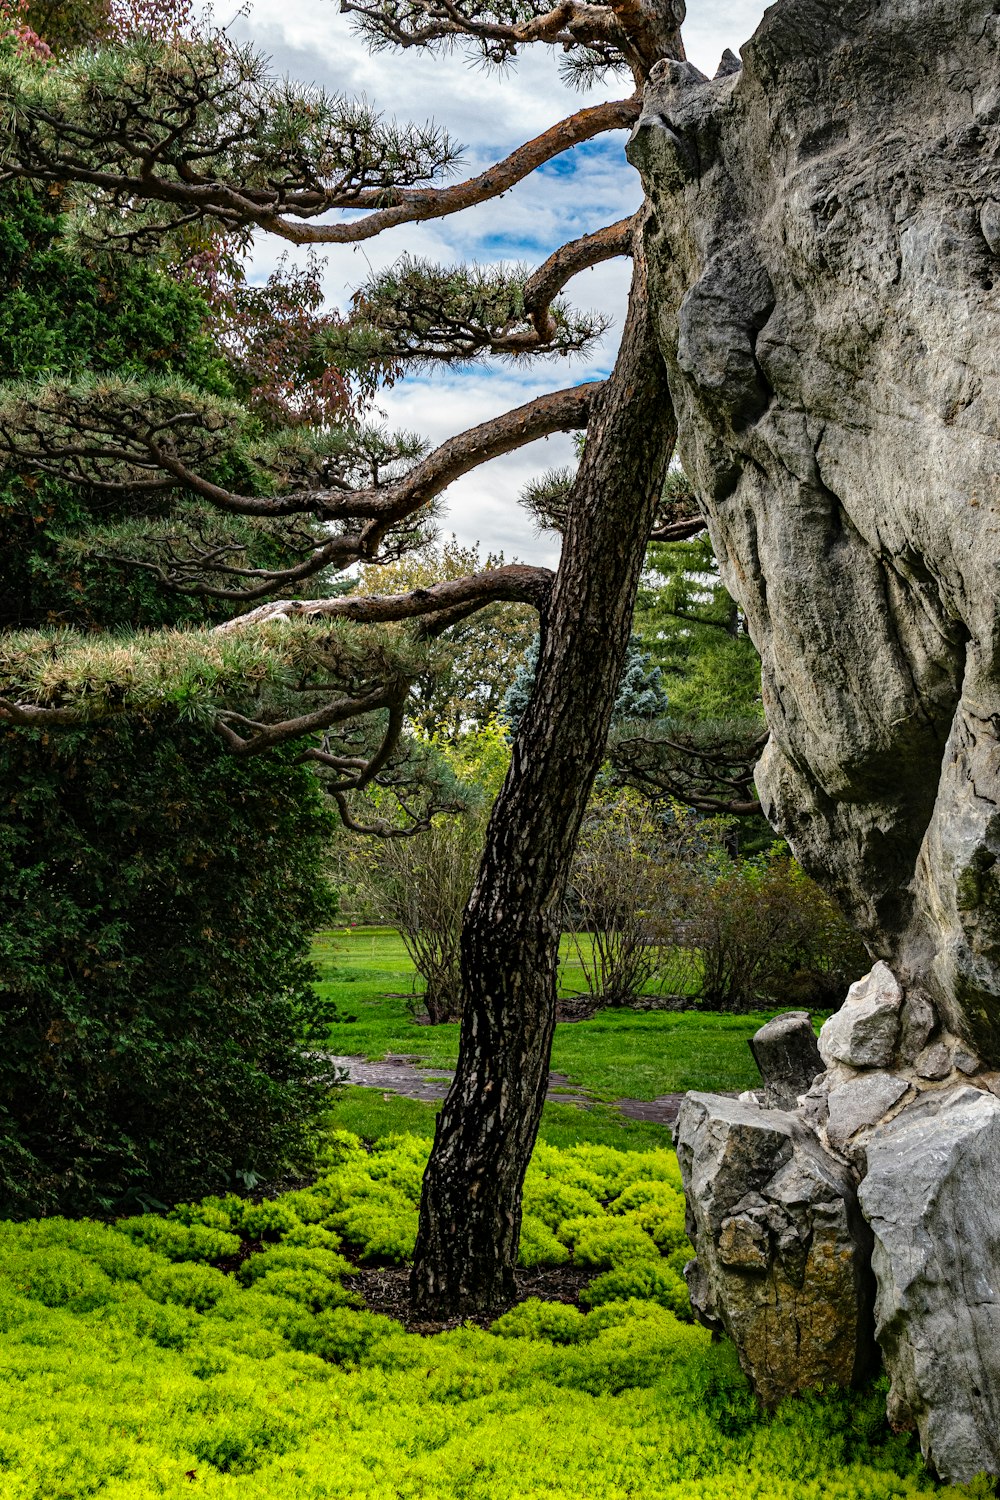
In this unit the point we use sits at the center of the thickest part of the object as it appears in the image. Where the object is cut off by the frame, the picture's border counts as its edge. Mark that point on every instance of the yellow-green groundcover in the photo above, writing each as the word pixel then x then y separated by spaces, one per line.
pixel 137 1363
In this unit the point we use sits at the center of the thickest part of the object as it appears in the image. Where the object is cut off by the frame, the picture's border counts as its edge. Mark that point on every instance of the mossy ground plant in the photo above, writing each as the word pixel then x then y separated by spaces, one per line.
pixel 145 1359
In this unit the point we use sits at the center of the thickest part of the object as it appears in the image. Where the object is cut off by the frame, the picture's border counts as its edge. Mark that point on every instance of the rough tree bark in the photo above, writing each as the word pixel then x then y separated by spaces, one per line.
pixel 470 1215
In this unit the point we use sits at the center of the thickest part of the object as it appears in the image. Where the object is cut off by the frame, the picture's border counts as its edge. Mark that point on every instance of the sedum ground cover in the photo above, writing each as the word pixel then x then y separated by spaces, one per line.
pixel 619 1054
pixel 218 1351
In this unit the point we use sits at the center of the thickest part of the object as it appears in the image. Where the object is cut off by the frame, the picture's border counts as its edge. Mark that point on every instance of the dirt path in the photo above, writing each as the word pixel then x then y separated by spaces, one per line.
pixel 399 1074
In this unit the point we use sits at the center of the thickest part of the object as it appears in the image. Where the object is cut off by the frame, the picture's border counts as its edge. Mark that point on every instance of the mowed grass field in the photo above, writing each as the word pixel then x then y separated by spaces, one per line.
pixel 619 1054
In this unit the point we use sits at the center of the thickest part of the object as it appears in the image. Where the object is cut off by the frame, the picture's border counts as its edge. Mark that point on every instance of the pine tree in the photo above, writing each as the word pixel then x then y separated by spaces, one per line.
pixel 162 146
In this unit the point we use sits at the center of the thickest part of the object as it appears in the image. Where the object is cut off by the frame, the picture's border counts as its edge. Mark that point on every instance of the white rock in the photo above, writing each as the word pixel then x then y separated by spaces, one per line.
pixel 864 1032
pixel 860 1104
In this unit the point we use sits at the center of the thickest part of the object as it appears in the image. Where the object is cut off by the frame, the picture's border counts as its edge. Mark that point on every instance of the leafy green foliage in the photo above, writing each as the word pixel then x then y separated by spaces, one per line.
pixel 62 319
pixel 477 657
pixel 272 1394
pixel 692 629
pixel 704 754
pixel 212 103
pixel 764 931
pixel 154 1012
pixel 194 672
pixel 645 1281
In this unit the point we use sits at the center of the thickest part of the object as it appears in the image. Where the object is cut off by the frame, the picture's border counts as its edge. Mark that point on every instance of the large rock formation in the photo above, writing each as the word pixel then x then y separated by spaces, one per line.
pixel 824 250
pixel 825 257
pixel 792 1253
pixel 930 1195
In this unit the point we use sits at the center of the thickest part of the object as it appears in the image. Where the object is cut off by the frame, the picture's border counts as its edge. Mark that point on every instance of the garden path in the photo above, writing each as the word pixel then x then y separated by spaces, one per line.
pixel 398 1073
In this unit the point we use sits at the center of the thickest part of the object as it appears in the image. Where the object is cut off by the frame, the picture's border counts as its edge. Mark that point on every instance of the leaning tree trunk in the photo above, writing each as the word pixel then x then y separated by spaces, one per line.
pixel 470 1215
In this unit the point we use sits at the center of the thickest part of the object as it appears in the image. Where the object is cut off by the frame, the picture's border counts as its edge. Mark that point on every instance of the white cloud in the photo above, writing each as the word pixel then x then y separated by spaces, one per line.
pixel 310 40
pixel 714 25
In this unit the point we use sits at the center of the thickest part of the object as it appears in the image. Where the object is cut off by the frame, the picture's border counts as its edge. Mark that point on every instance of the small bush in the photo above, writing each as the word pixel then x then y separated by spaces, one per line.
pixel 554 1202
pixel 57 1278
pixel 420 886
pixel 180 1241
pixel 342 1335
pixel 213 1213
pixel 266 1220
pixel 533 1319
pixel 292 1258
pixel 189 1285
pixel 646 1281
pixel 539 1246
pixel 765 933
pixel 600 1243
pixel 381 1229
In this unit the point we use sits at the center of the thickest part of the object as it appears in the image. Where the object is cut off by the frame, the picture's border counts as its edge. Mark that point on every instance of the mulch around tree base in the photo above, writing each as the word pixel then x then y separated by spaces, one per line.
pixel 386 1290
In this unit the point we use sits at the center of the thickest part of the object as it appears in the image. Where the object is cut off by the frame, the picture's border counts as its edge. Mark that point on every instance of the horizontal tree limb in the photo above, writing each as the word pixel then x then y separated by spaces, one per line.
pixel 590 250
pixel 513 583
pixel 417 204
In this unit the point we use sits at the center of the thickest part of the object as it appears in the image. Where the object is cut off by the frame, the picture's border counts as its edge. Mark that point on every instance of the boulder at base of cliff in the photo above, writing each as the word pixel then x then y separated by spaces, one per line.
pixel 783 1252
pixel 932 1197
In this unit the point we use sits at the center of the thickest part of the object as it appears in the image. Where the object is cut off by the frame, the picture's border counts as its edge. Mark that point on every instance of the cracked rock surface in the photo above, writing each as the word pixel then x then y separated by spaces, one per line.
pixel 825 262
pixel 930 1197
pixel 784 1255
pixel 877 1176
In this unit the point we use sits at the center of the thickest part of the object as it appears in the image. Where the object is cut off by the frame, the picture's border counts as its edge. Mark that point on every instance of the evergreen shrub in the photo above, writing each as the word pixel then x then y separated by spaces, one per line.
pixel 157 899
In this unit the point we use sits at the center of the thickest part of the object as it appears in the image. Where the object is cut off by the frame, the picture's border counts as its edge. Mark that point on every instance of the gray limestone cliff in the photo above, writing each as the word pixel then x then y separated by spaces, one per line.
pixel 825 260
pixel 824 252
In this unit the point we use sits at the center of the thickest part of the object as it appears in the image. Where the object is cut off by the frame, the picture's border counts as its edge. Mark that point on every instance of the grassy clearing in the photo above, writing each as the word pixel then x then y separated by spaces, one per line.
pixel 617 1055
pixel 370 1114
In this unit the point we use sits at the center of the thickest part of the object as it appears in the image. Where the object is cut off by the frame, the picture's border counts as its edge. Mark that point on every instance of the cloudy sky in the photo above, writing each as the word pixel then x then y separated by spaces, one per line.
pixel 583 190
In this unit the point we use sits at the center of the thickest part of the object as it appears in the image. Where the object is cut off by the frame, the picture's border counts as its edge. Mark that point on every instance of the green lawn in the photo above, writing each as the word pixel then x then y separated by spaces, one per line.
pixel 371 1114
pixel 619 1054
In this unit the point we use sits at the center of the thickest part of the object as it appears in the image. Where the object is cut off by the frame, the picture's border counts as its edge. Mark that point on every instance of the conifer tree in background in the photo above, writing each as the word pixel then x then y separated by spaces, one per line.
pixel 163 147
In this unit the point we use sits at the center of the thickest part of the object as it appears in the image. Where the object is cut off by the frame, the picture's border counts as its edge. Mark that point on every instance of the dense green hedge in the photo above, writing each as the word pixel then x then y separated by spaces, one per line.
pixel 156 902
pixel 136 1363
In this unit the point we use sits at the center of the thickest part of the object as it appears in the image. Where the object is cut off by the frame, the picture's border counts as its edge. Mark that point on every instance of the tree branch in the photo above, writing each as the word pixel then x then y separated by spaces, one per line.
pixel 514 583
pixel 590 250
pixel 414 205
pixel 679 531
pixel 381 509
pixel 268 736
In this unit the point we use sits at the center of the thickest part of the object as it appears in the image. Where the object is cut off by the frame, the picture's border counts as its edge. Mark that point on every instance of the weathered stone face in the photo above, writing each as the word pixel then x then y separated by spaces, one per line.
pixel 789 1247
pixel 930 1196
pixel 825 257
pixel 783 1262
